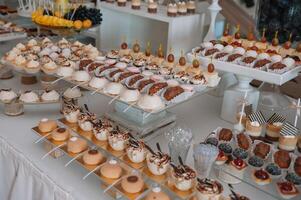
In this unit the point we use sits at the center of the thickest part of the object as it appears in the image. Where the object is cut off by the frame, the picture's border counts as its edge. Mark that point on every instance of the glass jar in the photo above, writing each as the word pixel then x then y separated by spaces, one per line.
pixel 279 15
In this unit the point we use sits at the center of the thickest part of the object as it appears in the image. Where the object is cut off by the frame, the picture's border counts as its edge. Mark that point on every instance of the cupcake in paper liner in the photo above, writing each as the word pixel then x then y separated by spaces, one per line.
pixel 278 68
pixel 240 153
pixel 282 158
pixel 221 56
pixel 255 162
pixel 225 135
pixel 293 177
pixel 132 81
pixel 157 88
pixel 274 170
pixel 175 94
pixel 113 75
pixel 261 149
pixel 144 84
pixel 261 64
pixel 225 147
pixel 247 61
pixel 243 141
pixel 234 58
pixel 99 72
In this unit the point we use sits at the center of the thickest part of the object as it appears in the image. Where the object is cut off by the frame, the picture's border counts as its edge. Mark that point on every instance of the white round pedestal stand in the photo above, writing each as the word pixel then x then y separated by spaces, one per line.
pixel 234 94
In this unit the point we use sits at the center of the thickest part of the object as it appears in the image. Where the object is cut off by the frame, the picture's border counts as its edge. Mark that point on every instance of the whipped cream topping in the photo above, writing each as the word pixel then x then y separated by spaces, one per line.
pixel 44 120
pixel 255 123
pixel 156 189
pixel 278 124
pixel 113 162
pixel 73 139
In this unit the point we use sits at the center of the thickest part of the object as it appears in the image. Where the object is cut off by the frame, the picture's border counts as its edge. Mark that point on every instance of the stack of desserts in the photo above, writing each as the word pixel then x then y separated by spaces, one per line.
pixel 264 162
pixel 252 53
pixel 45 96
pixel 49 56
pixel 7 28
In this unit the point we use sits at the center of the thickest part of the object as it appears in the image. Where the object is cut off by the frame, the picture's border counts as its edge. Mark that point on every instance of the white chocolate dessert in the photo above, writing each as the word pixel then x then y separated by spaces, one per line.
pixel 72 93
pixel 113 88
pixel 65 71
pixel 51 95
pixel 81 76
pixel 7 95
pixel 29 97
pixel 130 95
pixel 158 163
pixel 118 139
pixel 136 151
pixel 98 82
pixel 151 102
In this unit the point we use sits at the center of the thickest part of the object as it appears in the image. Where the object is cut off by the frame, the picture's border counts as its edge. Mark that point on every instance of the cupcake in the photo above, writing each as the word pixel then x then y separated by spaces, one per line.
pixel 49 68
pixel 50 96
pixel 118 139
pixel 101 130
pixel 136 151
pixel 273 170
pixel 71 113
pixel 7 95
pixel 29 97
pixel 136 4
pixel 158 163
pixel 32 67
pixel 191 7
pixel 172 10
pixel 261 149
pixel 209 189
pixel 121 3
pixel 183 177
pixel 182 8
pixel 152 6
pixel 255 162
pixel 86 120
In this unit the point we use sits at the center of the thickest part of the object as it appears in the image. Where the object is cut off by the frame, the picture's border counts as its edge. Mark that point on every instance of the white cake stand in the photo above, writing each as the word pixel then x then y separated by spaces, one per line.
pixel 245 75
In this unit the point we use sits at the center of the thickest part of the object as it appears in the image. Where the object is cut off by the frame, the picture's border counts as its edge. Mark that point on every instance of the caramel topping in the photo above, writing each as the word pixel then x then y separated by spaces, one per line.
pixel 124 45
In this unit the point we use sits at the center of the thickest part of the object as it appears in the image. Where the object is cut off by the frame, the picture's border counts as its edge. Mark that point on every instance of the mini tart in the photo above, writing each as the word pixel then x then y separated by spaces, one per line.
pixel 261 177
pixel 221 158
pixel 46 125
pixel 92 157
pixel 111 170
pixel 239 164
pixel 60 134
pixel 76 145
pixel 132 184
pixel 287 190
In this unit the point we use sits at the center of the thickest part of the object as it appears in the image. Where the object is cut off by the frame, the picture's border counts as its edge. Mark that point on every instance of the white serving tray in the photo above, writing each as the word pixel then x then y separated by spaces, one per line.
pixel 268 77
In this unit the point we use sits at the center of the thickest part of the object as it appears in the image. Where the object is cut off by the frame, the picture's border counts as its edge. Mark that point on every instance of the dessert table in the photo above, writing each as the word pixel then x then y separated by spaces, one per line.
pixel 26 175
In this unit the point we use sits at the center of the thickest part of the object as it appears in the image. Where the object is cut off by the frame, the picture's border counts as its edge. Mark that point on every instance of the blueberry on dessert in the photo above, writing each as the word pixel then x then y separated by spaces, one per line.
pixel 240 153
pixel 255 161
pixel 225 147
pixel 293 178
pixel 273 169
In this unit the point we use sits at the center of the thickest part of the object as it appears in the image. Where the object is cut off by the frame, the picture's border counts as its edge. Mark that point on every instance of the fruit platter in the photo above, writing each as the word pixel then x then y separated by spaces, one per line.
pixel 67 22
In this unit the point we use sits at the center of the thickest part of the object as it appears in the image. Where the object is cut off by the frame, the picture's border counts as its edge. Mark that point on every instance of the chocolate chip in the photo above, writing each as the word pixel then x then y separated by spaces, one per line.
pixel 132 179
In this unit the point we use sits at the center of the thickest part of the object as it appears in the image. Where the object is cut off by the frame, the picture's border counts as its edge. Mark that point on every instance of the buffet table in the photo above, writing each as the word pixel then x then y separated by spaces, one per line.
pixel 27 175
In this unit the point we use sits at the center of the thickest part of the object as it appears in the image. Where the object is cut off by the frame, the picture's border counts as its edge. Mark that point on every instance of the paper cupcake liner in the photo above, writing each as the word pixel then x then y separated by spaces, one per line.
pixel 249 139
pixel 224 141
pixel 278 71
pixel 274 176
pixel 254 145
pixel 291 156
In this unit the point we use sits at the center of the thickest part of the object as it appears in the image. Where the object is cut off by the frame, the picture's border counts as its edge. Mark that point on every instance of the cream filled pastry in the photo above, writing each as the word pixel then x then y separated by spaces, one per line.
pixel 71 113
pixel 151 102
pixel 183 177
pixel 113 88
pixel 130 95
pixel 86 120
pixel 50 67
pixel 51 95
pixel 32 66
pixel 118 139
pixel 208 189
pixel 72 93
pixel 76 145
pixel 158 163
pixel 65 71
pixel 7 95
pixel 157 194
pixel 111 170
pixel 29 97
pixel 92 157
pixel 102 129
pixel 136 151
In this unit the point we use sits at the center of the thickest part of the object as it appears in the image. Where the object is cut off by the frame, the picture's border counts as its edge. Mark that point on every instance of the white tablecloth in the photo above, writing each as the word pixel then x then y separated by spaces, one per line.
pixel 22 179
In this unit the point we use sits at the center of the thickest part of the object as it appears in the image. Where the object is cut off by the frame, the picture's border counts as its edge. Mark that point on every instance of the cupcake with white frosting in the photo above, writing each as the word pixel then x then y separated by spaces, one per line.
pixel 51 95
